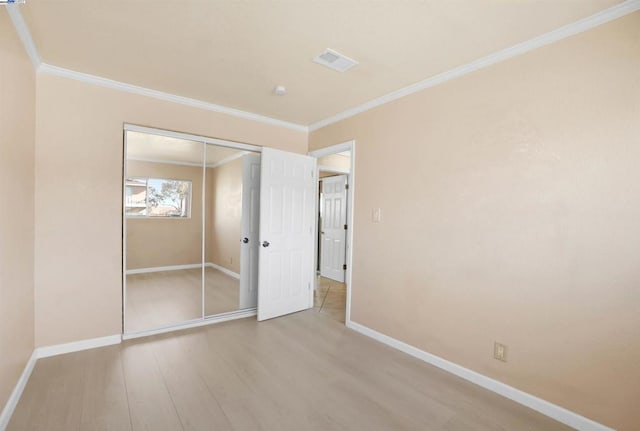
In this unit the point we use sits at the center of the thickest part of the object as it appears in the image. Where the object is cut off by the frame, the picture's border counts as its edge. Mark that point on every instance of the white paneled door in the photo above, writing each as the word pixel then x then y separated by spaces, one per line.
pixel 249 243
pixel 333 233
pixel 287 217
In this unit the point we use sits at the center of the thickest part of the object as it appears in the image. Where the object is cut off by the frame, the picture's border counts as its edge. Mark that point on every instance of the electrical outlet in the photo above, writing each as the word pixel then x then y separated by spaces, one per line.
pixel 500 352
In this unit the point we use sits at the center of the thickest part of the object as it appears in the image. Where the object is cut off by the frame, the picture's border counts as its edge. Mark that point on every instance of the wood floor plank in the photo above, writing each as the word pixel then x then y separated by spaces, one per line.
pixel 195 404
pixel 150 404
pixel 53 396
pixel 304 371
pixel 104 394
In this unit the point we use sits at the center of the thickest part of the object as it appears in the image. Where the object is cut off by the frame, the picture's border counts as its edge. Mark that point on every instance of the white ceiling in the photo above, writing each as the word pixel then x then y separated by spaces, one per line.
pixel 145 146
pixel 233 53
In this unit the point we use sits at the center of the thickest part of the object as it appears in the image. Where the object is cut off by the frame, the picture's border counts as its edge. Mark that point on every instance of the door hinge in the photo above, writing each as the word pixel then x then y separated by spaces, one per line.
pixel 346 186
pixel 345 227
pixel 344 266
pixel 309 284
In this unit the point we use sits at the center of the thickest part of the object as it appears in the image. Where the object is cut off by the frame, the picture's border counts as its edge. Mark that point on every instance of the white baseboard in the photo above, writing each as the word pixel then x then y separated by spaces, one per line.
pixel 76 346
pixel 163 268
pixel 224 270
pixel 233 315
pixel 553 411
pixel 179 267
pixel 12 402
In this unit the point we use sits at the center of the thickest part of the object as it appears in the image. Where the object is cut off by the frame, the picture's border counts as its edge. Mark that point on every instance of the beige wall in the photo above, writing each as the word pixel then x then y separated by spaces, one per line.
pixel 153 242
pixel 224 215
pixel 335 161
pixel 17 122
pixel 78 247
pixel 510 212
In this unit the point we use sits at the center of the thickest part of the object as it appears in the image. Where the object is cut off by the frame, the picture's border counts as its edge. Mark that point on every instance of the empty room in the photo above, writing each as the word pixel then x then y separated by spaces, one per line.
pixel 320 215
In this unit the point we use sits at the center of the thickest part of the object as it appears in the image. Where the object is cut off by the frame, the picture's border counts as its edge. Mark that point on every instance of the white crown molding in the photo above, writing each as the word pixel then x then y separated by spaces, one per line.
pixel 142 91
pixel 228 159
pixel 580 26
pixel 165 162
pixel 551 410
pixel 24 34
pixel 620 10
pixel 40 66
pixel 191 137
pixel 12 402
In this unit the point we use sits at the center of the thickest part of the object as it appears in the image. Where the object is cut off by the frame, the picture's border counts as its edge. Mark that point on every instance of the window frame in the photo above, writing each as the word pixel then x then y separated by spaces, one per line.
pixel 146 198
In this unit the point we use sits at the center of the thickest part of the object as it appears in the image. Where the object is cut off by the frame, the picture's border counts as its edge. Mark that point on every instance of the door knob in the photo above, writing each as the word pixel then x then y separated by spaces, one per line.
pixel 265 243
pixel 245 240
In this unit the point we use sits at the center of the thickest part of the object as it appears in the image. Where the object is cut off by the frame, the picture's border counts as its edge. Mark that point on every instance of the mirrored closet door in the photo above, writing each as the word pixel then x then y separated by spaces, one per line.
pixel 191 216
pixel 232 201
pixel 163 224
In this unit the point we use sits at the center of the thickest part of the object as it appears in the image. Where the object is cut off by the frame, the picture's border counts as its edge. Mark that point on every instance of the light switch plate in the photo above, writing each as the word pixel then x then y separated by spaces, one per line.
pixel 376 215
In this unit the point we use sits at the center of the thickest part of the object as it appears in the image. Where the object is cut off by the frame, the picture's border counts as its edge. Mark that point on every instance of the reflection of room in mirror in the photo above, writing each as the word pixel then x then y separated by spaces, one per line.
pixel 163 206
pixel 228 271
pixel 182 198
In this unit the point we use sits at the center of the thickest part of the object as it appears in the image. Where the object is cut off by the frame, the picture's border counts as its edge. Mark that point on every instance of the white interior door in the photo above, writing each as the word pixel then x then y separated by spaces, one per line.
pixel 333 234
pixel 249 245
pixel 287 216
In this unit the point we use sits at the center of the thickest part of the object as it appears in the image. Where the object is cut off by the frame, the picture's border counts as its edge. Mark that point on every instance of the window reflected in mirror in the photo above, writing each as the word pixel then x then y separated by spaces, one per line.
pixel 191 230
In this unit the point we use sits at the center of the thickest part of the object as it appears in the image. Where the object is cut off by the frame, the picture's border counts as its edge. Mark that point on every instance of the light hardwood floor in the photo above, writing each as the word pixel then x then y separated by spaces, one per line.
pixel 165 297
pixel 304 371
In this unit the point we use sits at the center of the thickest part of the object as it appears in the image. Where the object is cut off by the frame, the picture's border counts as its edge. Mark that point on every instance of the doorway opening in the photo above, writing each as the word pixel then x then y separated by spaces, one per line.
pixel 334 223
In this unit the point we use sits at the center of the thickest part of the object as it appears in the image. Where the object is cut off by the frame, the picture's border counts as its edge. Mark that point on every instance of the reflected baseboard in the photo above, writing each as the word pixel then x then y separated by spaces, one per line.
pixel 181 267
pixel 223 269
pixel 163 268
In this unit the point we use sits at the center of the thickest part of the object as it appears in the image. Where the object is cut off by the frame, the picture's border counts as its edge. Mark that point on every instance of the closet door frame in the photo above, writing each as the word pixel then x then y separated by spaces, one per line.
pixel 203 319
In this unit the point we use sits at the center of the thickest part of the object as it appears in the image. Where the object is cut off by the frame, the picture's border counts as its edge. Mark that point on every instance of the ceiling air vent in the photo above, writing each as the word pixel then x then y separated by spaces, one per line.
pixel 334 60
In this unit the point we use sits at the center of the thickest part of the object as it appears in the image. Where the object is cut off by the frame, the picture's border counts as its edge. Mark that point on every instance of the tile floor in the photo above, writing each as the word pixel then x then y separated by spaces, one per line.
pixel 331 298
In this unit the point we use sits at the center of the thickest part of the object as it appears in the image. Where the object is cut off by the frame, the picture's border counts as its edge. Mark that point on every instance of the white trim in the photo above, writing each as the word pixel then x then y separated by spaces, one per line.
pixel 218 318
pixel 554 411
pixel 224 270
pixel 580 26
pixel 12 402
pixel 599 18
pixel 331 169
pixel 160 95
pixel 167 162
pixel 124 232
pixel 191 137
pixel 203 239
pixel 226 160
pixel 180 267
pixel 77 346
pixel 333 149
pixel 163 268
pixel 351 180
pixel 24 35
